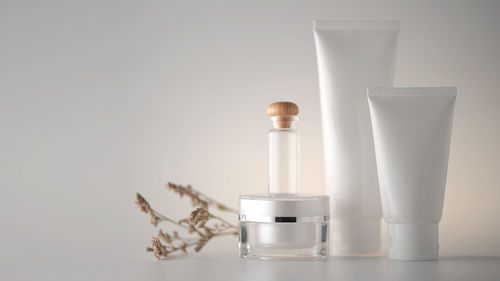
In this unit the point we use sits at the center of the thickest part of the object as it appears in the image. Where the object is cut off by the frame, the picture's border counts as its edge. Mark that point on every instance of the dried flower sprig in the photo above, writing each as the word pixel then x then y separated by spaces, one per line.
pixel 198 198
pixel 204 224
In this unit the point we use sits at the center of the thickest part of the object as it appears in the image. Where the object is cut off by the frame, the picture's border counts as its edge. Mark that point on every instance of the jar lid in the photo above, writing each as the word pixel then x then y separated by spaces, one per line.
pixel 284 208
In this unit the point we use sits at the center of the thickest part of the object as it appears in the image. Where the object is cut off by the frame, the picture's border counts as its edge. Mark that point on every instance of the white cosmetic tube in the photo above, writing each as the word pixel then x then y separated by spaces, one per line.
pixel 352 55
pixel 411 130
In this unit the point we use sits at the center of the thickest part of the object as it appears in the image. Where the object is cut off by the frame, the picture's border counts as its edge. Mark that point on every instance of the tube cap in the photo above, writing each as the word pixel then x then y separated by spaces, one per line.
pixel 355 237
pixel 414 241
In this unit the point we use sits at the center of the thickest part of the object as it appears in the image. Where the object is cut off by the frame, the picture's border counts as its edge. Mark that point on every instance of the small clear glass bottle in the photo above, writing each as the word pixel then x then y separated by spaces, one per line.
pixel 283 224
pixel 283 156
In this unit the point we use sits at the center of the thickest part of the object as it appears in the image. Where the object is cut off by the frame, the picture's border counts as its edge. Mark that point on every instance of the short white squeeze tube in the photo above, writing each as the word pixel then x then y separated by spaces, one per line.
pixel 411 130
pixel 352 55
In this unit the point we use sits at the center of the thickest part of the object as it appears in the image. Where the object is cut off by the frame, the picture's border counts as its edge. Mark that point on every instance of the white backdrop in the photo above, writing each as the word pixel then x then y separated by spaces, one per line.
pixel 103 99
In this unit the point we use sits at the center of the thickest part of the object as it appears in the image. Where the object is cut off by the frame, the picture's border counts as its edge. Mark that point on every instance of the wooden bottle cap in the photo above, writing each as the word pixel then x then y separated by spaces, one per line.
pixel 283 108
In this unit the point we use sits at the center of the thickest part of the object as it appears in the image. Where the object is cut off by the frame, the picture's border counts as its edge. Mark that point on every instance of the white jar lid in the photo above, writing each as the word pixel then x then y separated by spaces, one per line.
pixel 285 208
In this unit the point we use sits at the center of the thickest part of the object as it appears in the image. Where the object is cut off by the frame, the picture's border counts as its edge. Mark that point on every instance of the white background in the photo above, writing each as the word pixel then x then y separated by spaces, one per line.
pixel 100 99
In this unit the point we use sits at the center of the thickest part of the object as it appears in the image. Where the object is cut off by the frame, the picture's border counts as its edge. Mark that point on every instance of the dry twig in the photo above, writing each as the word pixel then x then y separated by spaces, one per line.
pixel 200 221
pixel 198 198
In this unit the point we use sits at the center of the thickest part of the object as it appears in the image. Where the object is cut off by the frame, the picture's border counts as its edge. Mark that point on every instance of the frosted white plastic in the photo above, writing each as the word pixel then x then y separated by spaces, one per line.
pixel 417 241
pixel 352 55
pixel 356 237
pixel 411 130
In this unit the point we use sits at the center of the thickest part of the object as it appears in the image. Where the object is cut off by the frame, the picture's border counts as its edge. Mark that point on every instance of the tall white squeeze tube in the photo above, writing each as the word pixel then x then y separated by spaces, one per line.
pixel 412 129
pixel 352 55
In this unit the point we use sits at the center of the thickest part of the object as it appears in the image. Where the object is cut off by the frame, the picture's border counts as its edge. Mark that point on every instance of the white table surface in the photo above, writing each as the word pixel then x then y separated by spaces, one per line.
pixel 218 267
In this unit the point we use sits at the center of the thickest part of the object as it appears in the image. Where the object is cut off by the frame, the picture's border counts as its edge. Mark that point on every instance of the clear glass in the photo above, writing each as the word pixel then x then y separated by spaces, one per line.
pixel 306 240
pixel 283 157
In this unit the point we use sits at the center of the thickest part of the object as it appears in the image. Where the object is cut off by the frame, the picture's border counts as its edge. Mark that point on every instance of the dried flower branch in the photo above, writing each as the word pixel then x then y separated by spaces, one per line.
pixel 155 216
pixel 198 198
pixel 200 221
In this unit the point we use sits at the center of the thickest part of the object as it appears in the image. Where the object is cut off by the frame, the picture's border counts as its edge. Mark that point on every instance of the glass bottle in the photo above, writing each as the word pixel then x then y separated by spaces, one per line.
pixel 283 149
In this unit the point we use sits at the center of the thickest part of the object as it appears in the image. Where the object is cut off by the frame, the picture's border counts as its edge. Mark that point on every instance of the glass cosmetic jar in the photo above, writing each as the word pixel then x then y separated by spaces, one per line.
pixel 284 226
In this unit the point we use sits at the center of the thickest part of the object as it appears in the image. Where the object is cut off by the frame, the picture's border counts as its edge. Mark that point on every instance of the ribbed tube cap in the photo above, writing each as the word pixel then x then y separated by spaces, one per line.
pixel 414 241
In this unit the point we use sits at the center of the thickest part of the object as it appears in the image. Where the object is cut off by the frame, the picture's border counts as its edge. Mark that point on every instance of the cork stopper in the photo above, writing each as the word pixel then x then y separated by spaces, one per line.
pixel 283 108
pixel 283 114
